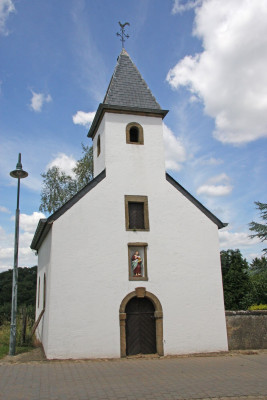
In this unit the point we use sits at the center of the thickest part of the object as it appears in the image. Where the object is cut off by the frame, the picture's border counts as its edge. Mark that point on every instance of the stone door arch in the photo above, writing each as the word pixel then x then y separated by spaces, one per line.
pixel 141 293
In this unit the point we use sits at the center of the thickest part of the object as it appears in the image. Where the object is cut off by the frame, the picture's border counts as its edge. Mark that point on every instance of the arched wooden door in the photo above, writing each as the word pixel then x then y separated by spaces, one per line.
pixel 140 327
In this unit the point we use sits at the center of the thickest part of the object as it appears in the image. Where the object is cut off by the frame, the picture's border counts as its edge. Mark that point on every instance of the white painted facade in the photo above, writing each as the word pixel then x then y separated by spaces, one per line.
pixel 85 256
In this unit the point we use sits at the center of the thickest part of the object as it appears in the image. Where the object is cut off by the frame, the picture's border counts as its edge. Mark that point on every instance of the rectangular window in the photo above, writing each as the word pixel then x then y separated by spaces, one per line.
pixel 136 213
pixel 137 255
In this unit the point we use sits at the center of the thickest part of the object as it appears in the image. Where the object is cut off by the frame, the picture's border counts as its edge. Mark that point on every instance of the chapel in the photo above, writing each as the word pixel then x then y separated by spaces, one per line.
pixel 131 263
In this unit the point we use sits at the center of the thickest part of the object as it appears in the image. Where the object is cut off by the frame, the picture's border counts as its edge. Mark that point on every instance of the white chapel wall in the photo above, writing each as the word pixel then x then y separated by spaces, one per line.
pixel 99 160
pixel 44 269
pixel 90 256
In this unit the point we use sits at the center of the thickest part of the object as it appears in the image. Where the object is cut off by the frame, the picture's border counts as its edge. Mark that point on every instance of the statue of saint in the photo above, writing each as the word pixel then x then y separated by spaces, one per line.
pixel 137 264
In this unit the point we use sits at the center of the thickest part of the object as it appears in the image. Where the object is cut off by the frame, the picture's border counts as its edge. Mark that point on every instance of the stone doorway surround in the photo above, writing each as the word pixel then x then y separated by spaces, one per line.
pixel 141 292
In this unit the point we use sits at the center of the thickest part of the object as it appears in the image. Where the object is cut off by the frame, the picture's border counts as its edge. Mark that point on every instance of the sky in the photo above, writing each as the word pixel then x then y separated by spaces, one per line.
pixel 204 61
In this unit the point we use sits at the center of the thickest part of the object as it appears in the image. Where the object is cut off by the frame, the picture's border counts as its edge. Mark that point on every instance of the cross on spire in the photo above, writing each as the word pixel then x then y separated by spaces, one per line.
pixel 122 34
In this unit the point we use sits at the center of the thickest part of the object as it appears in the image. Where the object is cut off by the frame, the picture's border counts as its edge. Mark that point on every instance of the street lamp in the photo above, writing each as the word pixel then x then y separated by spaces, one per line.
pixel 19 174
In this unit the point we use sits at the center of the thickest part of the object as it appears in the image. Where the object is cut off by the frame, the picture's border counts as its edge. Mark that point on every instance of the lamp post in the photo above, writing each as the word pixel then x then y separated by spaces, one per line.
pixel 19 174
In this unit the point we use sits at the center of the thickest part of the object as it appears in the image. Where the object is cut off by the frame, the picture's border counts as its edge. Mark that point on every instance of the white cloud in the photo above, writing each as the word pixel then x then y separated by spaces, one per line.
pixel 180 6
pixel 229 240
pixel 175 153
pixel 211 189
pixel 229 76
pixel 38 100
pixel 213 161
pixel 4 210
pixel 33 182
pixel 64 162
pixel 6 7
pixel 83 118
pixel 28 224
pixel 219 178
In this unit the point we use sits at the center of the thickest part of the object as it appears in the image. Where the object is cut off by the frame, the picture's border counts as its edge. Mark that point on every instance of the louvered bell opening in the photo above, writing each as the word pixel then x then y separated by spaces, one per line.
pixel 136 215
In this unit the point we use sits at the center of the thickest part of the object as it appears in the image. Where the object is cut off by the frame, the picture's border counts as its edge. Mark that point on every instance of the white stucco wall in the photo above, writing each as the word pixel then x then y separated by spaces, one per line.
pixel 89 256
pixel 44 269
pixel 99 161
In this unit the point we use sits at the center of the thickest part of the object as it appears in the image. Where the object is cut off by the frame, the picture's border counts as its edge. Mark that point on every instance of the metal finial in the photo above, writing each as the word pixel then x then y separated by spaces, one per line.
pixel 122 34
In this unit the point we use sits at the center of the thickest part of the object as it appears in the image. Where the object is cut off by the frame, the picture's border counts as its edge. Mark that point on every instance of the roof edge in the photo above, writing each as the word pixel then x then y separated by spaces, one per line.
pixel 197 203
pixel 44 225
pixel 102 108
pixel 38 233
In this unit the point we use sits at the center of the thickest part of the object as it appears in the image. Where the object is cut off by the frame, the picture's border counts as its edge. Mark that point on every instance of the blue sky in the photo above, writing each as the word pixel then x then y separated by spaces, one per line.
pixel 205 61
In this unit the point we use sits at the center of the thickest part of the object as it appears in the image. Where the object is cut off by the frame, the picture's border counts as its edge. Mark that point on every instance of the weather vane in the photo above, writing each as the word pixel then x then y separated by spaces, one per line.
pixel 122 34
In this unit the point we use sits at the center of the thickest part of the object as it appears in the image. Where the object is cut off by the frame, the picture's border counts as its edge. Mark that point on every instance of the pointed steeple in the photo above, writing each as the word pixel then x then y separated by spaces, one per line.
pixel 127 87
pixel 127 93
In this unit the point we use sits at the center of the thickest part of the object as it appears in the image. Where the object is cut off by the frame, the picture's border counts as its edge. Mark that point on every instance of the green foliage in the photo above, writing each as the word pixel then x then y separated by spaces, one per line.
pixel 5 313
pixel 26 286
pixel 260 229
pixel 258 279
pixel 243 285
pixel 23 335
pixel 236 282
pixel 84 167
pixel 258 307
pixel 258 266
pixel 26 309
pixel 58 187
pixel 26 291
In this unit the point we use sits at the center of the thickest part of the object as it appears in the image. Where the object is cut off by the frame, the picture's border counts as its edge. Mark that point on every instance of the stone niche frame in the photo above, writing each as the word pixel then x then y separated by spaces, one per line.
pixel 158 314
pixel 137 278
pixel 136 199
pixel 140 133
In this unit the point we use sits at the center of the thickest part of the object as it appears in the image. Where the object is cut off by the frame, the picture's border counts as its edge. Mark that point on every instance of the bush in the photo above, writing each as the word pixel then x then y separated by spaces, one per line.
pixel 258 307
pixel 5 313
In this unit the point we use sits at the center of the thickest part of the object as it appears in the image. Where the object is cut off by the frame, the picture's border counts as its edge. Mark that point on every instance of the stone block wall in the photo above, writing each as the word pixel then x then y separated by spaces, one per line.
pixel 246 329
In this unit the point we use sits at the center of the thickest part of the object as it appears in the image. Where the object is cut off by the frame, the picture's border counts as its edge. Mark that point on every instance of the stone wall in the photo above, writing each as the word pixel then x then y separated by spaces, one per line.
pixel 246 329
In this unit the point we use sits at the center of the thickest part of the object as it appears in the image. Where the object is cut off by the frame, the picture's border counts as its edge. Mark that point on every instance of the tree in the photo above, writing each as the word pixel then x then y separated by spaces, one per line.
pixel 258 278
pixel 58 187
pixel 26 292
pixel 26 286
pixel 261 229
pixel 236 282
pixel 258 265
pixel 84 169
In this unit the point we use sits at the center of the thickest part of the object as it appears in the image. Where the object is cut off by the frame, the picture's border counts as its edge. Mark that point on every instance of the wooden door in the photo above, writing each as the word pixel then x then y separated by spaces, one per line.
pixel 140 327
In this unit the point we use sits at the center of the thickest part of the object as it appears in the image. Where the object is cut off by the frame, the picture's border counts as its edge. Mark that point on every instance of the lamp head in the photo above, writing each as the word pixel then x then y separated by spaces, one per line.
pixel 18 172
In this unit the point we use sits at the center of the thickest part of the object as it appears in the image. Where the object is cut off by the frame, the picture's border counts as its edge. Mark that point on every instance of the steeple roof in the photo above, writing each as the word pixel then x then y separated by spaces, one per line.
pixel 127 87
pixel 127 93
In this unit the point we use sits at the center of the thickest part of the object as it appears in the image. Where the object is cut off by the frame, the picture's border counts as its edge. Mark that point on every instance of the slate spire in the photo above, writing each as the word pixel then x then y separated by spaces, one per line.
pixel 127 87
pixel 127 93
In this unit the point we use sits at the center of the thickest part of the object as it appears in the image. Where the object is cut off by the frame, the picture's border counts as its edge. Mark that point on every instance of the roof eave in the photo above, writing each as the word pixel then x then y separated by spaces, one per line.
pixel 102 108
pixel 44 225
pixel 39 233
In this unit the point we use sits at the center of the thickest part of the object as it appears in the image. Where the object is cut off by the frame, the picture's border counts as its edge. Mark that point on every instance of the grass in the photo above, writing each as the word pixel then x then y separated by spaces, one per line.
pixel 4 340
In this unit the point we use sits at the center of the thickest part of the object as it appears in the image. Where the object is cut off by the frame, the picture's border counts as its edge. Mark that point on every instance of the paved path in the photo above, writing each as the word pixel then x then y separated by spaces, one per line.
pixel 229 377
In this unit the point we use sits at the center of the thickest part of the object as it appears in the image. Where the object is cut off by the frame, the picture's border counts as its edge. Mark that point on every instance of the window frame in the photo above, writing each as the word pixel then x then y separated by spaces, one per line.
pixel 136 199
pixel 140 133
pixel 44 292
pixel 38 298
pixel 145 276
pixel 98 146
